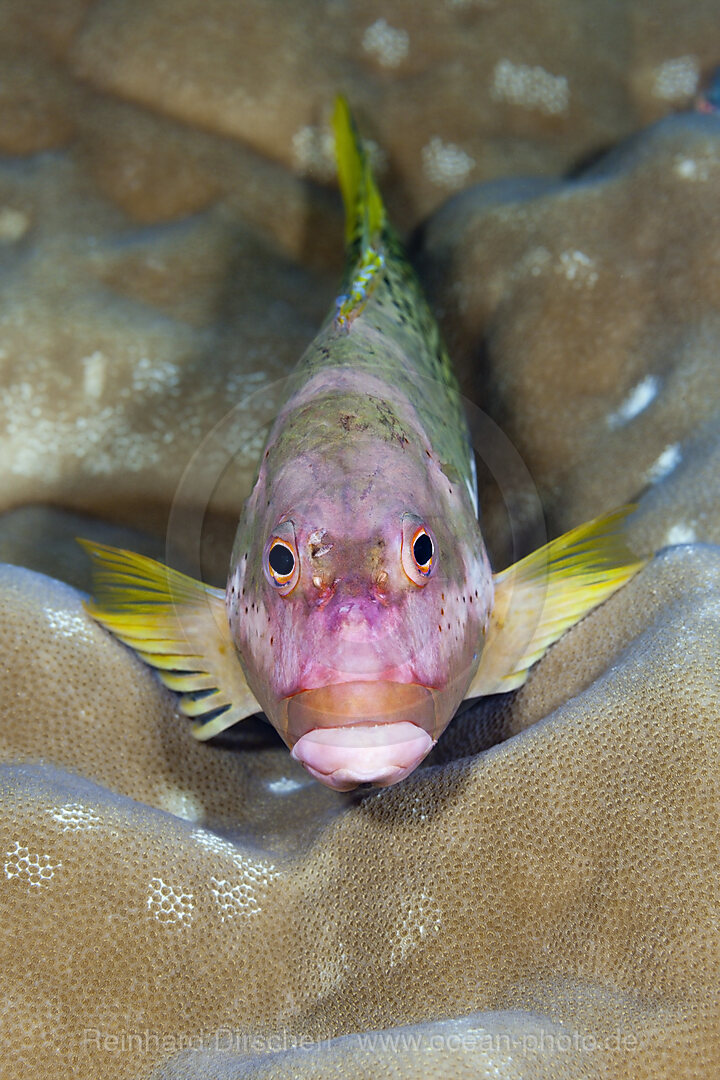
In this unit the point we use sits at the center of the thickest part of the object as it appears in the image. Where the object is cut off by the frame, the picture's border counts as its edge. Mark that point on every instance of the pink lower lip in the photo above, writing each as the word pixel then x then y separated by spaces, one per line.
pixel 351 733
pixel 382 754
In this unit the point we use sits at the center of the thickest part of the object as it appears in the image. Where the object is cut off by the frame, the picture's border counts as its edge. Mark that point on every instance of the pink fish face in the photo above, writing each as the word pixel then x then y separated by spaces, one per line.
pixel 358 597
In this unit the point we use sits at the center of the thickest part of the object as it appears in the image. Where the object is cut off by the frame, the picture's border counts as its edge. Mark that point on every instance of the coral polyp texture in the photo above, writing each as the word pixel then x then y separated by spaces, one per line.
pixel 539 900
pixel 545 908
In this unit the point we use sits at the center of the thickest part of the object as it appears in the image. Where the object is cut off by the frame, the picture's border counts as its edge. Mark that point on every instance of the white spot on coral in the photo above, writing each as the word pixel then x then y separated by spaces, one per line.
pixel 286 785
pixel 578 267
pixel 239 383
pixel 668 460
pixel 420 808
pixel 238 897
pixel 533 87
pixel 74 817
pixel 35 870
pixel 313 152
pixel 215 843
pixel 690 169
pixel 636 402
pixel 685 167
pixel 95 367
pixel 168 904
pixel 234 900
pixel 43 433
pixel 532 262
pixel 331 964
pixel 680 533
pixel 263 871
pixel 69 624
pixel 160 377
pixel 390 46
pixel 181 803
pixel 677 79
pixel 445 164
pixel 13 224
pixel 420 919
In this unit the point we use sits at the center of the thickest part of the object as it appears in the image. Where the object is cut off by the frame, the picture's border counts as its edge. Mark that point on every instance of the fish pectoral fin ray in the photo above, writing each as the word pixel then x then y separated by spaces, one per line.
pixel 543 595
pixel 178 626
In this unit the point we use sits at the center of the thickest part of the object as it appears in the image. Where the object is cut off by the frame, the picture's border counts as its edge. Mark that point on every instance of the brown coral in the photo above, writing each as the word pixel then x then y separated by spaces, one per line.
pixel 596 300
pixel 563 883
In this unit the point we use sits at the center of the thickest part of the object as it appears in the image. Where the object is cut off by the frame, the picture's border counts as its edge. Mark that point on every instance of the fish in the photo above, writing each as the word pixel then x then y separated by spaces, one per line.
pixel 360 608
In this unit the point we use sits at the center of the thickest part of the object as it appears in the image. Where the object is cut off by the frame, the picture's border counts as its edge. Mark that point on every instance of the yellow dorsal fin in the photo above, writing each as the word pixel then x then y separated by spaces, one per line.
pixel 178 626
pixel 543 595
pixel 364 210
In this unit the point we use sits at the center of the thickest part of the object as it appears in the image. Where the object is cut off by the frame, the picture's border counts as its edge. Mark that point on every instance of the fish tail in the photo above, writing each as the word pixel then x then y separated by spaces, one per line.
pixel 543 595
pixel 365 217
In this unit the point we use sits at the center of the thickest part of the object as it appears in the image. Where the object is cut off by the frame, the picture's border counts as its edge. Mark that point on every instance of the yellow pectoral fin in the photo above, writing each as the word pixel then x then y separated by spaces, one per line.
pixel 176 625
pixel 543 595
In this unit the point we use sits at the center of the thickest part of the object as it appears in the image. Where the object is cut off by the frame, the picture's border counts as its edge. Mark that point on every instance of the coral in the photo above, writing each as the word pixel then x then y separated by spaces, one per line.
pixel 153 259
pixel 175 103
pixel 546 908
pixel 121 351
pixel 634 370
pixel 467 74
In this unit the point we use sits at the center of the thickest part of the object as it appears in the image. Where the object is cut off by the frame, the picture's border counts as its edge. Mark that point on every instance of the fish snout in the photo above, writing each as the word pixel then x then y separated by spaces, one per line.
pixel 351 597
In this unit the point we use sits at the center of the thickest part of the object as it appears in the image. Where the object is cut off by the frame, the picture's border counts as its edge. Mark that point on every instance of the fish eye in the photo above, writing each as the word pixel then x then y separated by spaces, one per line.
pixel 418 549
pixel 281 560
pixel 423 550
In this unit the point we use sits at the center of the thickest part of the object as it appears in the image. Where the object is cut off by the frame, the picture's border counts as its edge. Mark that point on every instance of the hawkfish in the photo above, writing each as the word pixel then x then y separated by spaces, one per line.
pixel 360 608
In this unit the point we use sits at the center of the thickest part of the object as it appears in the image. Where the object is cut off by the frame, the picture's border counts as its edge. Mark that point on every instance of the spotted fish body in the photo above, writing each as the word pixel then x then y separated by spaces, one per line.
pixel 360 607
pixel 371 446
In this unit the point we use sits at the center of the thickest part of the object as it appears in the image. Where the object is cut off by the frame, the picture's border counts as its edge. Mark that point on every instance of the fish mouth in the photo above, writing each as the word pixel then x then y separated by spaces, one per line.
pixel 353 733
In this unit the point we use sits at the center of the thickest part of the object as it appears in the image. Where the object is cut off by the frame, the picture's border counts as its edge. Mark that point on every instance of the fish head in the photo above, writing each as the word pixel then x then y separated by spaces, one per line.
pixel 358 595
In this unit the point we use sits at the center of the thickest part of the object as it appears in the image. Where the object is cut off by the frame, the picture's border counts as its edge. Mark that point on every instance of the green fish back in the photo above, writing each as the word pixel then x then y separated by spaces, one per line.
pixel 381 322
